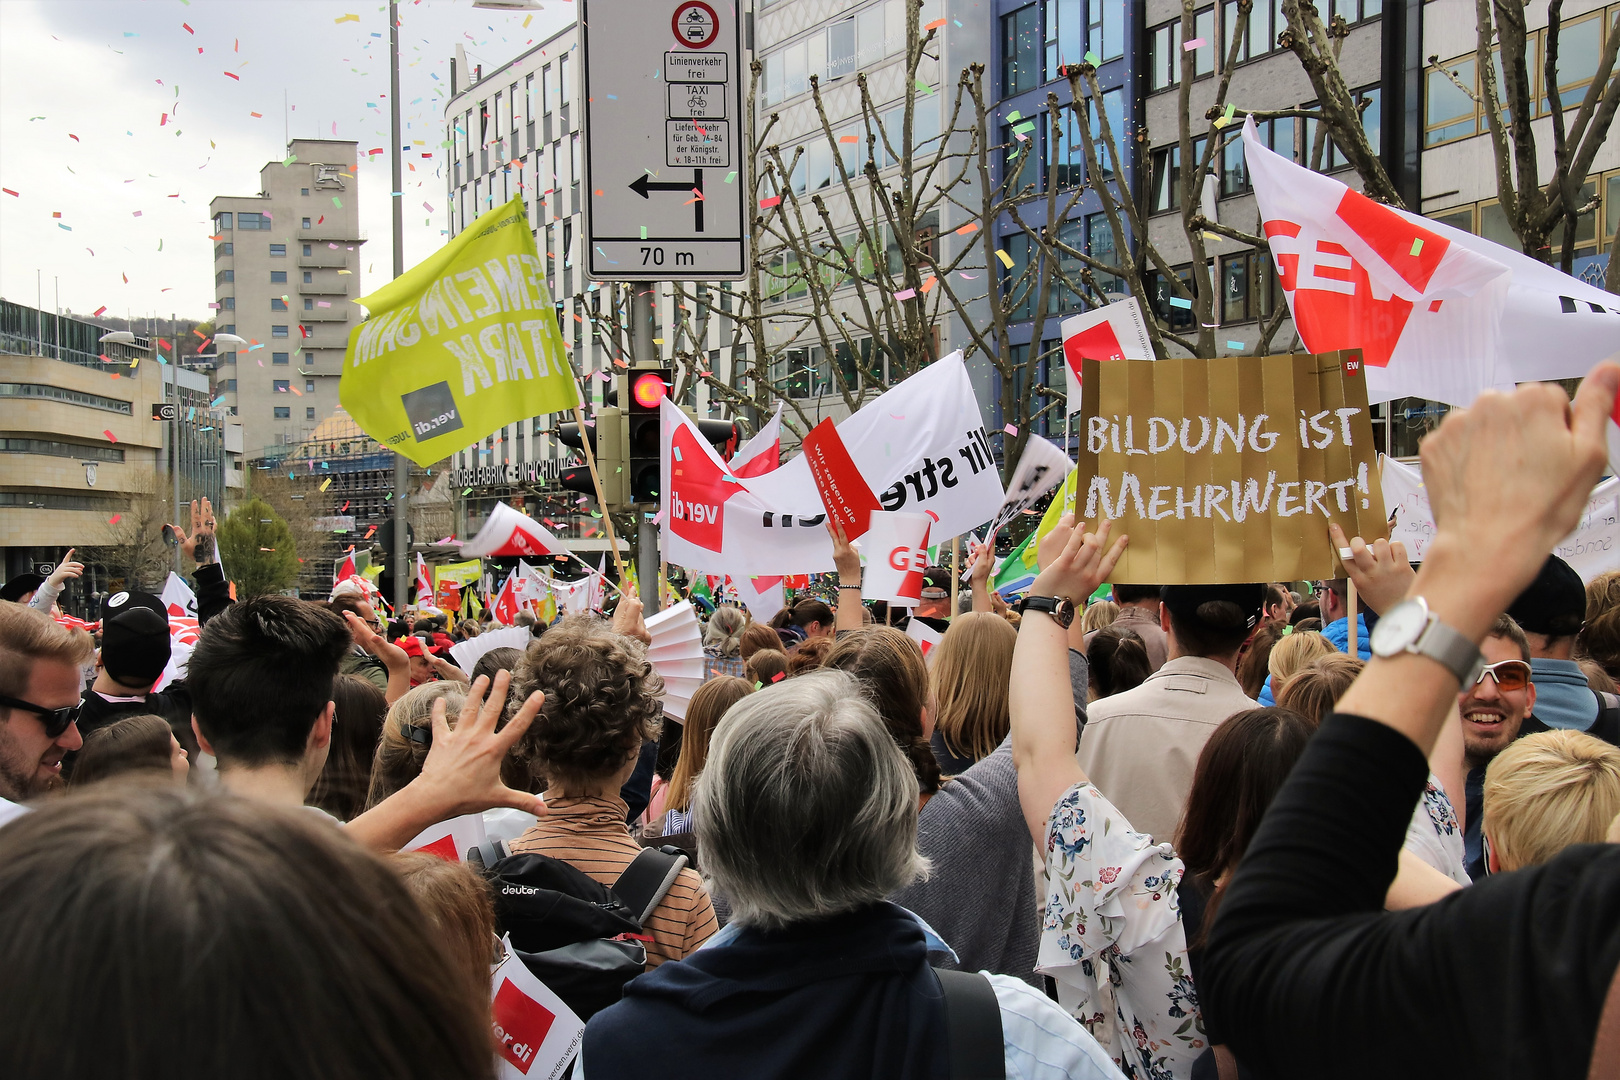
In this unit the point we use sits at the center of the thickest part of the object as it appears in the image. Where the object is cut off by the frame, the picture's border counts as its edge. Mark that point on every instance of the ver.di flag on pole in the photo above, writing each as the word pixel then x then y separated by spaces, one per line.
pixel 463 344
pixel 763 452
pixel 507 532
pixel 920 447
pixel 1437 312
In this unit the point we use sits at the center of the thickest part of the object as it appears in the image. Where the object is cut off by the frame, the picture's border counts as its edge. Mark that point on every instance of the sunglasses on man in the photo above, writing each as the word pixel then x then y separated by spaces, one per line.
pixel 1509 674
pixel 56 721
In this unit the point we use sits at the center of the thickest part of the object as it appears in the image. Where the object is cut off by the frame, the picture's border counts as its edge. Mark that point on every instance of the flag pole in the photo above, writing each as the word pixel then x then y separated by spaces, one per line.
pixel 596 481
pixel 956 572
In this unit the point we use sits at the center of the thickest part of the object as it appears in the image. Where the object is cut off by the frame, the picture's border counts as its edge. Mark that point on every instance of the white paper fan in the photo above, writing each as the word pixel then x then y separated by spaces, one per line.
pixel 676 653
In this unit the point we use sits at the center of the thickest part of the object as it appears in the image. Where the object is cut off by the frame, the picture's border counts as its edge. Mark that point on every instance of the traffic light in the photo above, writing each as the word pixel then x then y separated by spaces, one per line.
pixel 647 389
pixel 607 443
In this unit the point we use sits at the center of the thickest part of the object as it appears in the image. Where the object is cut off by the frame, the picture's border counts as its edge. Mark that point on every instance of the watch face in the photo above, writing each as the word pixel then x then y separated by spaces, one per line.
pixel 1400 629
pixel 1064 612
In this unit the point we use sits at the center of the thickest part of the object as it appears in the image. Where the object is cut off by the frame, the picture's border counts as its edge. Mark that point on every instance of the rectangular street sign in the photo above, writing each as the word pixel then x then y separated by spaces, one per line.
pixel 164 410
pixel 664 168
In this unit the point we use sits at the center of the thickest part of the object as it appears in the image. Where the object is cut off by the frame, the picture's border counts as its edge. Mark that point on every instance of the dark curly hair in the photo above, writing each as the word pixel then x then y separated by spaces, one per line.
pixel 602 701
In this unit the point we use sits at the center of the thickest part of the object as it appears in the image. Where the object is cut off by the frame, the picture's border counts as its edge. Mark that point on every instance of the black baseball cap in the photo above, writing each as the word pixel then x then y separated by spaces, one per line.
pixel 20 586
pixel 135 642
pixel 1218 609
pixel 936 583
pixel 1554 604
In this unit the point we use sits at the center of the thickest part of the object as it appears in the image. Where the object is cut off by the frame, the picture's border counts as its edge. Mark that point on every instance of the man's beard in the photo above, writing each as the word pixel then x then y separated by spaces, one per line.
pixel 19 778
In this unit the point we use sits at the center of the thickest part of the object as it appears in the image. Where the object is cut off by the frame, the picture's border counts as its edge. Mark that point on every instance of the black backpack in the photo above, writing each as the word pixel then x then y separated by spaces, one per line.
pixel 579 937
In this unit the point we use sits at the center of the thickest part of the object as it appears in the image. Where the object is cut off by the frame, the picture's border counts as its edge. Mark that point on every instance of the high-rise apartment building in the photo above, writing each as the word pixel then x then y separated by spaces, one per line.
pixel 286 269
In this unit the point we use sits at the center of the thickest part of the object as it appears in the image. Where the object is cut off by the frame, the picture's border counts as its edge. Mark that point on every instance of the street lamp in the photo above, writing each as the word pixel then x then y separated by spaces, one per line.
pixel 227 339
pixel 118 337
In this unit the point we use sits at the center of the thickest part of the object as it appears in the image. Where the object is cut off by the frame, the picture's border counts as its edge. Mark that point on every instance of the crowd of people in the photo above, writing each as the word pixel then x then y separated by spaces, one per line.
pixel 1277 829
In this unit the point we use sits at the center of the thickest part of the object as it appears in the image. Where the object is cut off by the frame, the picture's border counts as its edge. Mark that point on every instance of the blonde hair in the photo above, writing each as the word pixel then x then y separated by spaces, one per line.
pixel 399 757
pixel 1098 615
pixel 1600 637
pixel 708 705
pixel 969 673
pixel 1548 791
pixel 28 636
pixel 1293 653
pixel 1314 690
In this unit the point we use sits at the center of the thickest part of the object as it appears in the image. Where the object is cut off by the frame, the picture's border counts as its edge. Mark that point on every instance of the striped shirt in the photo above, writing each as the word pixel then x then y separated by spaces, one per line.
pixel 715 664
pixel 590 835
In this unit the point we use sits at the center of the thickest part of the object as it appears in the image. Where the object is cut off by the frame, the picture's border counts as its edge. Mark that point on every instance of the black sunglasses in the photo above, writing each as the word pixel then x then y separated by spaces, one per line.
pixel 56 721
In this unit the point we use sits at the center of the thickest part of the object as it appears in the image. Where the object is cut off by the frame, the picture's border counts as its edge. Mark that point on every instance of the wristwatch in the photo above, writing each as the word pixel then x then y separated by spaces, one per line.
pixel 1060 608
pixel 1410 627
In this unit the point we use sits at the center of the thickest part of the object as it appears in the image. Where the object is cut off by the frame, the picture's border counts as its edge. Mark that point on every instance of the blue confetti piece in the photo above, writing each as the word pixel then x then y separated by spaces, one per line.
pixel 1236 345
pixel 1178 302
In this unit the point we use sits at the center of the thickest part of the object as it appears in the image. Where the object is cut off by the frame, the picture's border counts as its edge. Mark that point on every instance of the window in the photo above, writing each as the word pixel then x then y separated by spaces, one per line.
pixel 283 412
pixel 309 278
pixel 305 224
pixel 1371 122
pixel 227 303
pixel 279 251
pixel 308 250
pixel 278 304
pixel 869 47
pixel 1580 47
pixel 309 412
pixel 1018 286
pixel 529 112
pixel 42 392
pixel 1063 37
pixel 279 386
pixel 309 305
pixel 841 49
pixel 230 386
pixel 222 222
pixel 278 277
pixel 1160 291
pixel 303 191
pixel 1165 54
pixel 1354 11
pixel 1266 21
pixel 1100 243
pixel 278 331
pixel 1235 288
pixel 1107 28
pixel 1277 135
pixel 1167 175
pixel 309 386
pixel 221 250
pixel 251 221
pixel 1066 155
pixel 55 448
pixel 223 276
pixel 278 358
pixel 1020 50
pixel 1027 143
pixel 1114 103
pixel 229 329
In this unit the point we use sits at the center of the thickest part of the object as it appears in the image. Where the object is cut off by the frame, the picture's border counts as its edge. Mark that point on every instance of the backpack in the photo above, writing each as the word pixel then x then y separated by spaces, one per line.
pixel 579 937
pixel 1607 724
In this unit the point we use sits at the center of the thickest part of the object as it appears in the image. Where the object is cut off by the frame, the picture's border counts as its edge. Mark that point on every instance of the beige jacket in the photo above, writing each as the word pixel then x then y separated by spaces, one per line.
pixel 1140 747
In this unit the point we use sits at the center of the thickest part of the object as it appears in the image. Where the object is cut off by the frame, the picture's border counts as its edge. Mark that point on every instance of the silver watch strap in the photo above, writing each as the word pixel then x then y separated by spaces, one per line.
pixel 1459 655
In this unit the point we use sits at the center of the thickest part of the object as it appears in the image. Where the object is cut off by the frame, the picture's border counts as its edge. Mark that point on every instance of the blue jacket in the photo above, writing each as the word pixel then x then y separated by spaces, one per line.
pixel 1337 632
pixel 849 996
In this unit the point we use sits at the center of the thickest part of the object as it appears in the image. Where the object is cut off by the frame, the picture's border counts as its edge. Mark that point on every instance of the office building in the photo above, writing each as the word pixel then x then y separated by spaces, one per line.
pixel 286 269
pixel 86 462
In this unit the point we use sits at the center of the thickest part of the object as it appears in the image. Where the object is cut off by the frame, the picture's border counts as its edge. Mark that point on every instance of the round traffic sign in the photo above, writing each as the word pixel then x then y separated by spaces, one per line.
pixel 695 24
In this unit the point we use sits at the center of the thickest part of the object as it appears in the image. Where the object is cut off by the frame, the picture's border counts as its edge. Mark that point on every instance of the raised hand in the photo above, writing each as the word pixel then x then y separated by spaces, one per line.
pixel 462 772
pixel 627 619
pixel 1380 570
pixel 1074 562
pixel 65 569
pixel 198 545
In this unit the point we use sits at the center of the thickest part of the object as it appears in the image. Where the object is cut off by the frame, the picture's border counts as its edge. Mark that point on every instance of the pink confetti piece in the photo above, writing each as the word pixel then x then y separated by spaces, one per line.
pixel 905 294
pixel 115 519
pixel 1195 43
pixel 110 436
pixel 233 75
pixel 1011 429
pixel 766 204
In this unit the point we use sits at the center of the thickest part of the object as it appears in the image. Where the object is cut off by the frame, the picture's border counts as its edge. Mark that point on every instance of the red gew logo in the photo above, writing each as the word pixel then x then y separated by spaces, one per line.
pixel 521 1024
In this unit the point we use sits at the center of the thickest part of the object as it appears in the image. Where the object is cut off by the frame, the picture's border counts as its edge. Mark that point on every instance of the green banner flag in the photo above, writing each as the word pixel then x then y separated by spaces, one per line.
pixel 463 344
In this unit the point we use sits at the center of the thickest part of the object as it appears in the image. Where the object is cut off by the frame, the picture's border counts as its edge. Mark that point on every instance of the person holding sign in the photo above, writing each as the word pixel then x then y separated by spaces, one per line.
pixel 1301 969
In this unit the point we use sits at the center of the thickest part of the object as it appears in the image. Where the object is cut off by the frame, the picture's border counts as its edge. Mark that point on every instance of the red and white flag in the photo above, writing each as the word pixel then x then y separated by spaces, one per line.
pixel 506 606
pixel 508 532
pixel 1437 312
pixel 346 569
pixel 762 596
pixel 1114 331
pixel 763 452
pixel 424 582
pixel 450 840
pixel 536 1035
pixel 924 635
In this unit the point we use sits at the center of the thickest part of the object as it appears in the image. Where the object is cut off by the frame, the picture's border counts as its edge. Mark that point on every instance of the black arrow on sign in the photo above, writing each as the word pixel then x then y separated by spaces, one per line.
pixel 643 184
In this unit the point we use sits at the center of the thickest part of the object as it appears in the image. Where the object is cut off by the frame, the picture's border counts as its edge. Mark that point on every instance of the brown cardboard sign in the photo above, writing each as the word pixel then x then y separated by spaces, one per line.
pixel 1228 470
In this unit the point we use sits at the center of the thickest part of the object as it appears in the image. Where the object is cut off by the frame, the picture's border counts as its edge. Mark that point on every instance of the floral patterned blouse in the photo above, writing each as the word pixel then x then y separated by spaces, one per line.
pixel 1113 940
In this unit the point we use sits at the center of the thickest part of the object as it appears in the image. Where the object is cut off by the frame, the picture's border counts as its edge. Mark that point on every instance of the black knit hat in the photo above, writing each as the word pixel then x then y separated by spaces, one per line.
pixel 1554 604
pixel 20 586
pixel 135 644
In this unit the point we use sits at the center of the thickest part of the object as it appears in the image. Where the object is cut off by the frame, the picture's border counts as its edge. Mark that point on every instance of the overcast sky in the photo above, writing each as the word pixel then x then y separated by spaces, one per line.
pixel 85 86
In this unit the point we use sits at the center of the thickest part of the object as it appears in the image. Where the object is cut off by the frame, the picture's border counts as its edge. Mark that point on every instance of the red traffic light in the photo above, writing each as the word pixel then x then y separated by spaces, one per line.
pixel 648 390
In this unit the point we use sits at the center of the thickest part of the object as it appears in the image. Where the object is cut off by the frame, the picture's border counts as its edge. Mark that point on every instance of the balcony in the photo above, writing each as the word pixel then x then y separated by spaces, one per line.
pixel 324 288
pixel 335 313
pixel 324 258
pixel 333 233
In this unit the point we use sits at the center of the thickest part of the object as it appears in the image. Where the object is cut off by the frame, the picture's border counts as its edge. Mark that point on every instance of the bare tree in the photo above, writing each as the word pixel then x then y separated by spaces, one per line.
pixel 132 549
